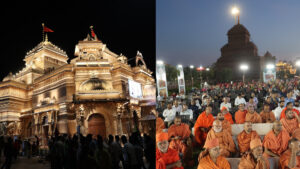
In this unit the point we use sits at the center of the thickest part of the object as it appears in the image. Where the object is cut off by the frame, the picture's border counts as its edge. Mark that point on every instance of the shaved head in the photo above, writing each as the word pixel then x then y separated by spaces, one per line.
pixel 248 127
pixel 277 127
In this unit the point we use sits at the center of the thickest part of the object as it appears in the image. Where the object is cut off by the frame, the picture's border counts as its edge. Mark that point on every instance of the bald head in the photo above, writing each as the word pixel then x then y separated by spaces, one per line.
pixel 277 127
pixel 217 126
pixel 248 127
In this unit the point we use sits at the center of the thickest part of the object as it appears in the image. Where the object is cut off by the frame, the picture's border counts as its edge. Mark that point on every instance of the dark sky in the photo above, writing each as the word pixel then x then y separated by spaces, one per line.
pixel 125 26
pixel 192 32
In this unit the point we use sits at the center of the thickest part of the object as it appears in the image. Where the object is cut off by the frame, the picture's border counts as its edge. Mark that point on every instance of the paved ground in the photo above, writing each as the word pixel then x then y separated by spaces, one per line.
pixel 25 163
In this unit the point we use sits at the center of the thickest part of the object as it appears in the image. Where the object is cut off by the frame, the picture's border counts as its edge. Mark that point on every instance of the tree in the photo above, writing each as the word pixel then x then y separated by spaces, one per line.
pixel 171 72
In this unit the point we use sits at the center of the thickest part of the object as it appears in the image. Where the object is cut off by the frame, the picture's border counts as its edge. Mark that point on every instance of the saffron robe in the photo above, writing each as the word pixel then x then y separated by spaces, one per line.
pixel 228 117
pixel 267 117
pixel 253 117
pixel 240 116
pixel 248 162
pixel 207 163
pixel 282 115
pixel 277 144
pixel 160 125
pixel 285 159
pixel 164 159
pixel 203 121
pixel 289 125
pixel 182 130
pixel 244 140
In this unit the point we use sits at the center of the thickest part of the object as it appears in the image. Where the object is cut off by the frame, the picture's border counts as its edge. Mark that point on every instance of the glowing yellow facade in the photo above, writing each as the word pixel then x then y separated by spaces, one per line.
pixel 51 95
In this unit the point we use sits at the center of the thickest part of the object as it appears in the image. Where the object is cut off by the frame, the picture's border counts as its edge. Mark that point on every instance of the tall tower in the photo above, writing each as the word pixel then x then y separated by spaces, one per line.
pixel 239 50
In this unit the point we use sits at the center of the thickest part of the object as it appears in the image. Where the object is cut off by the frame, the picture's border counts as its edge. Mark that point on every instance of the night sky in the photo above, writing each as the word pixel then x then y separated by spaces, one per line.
pixel 125 26
pixel 193 32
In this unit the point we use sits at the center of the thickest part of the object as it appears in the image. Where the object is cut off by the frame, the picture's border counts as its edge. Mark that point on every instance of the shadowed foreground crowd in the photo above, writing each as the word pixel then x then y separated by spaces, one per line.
pixel 197 131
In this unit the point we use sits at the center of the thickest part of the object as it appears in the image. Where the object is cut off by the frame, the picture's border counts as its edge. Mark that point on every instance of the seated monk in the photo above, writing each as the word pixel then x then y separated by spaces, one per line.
pixel 254 159
pixel 276 141
pixel 240 114
pixel 227 114
pixel 291 157
pixel 291 121
pixel 160 125
pixel 179 129
pixel 177 144
pixel 245 137
pixel 203 125
pixel 252 116
pixel 226 142
pixel 289 105
pixel 166 158
pixel 210 158
pixel 225 124
pixel 267 116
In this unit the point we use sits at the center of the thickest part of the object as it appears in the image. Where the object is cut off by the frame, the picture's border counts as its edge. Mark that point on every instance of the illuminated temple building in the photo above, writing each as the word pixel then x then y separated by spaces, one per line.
pixel 91 94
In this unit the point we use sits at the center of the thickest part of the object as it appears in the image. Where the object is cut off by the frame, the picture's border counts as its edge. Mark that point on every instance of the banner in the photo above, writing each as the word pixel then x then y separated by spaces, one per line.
pixel 181 83
pixel 269 75
pixel 161 80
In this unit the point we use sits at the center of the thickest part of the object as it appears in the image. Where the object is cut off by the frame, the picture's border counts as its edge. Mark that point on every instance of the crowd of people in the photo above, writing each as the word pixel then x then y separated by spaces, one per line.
pixel 81 152
pixel 197 130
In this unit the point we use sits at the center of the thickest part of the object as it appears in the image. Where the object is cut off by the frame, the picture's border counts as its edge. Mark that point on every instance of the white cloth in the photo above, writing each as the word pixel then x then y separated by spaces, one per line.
pixel 169 115
pixel 227 105
pixel 239 101
pixel 178 108
pixel 198 104
pixel 187 112
pixel 277 112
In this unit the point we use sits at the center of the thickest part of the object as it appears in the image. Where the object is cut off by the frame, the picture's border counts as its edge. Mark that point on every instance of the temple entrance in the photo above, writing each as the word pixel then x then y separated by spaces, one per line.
pixel 96 125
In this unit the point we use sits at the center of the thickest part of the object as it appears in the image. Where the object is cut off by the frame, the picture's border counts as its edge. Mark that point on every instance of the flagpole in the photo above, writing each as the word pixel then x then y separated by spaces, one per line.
pixel 43 32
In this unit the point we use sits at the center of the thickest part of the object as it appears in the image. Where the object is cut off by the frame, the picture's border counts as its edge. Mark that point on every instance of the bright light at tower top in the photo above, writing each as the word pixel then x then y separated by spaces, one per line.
pixel 159 62
pixel 235 11
pixel 180 66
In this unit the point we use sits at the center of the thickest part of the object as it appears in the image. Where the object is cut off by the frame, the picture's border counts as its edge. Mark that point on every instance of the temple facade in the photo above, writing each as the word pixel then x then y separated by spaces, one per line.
pixel 90 94
pixel 240 50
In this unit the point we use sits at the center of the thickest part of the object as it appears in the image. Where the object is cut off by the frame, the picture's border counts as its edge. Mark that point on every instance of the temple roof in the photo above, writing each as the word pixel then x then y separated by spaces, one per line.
pixel 238 29
pixel 46 45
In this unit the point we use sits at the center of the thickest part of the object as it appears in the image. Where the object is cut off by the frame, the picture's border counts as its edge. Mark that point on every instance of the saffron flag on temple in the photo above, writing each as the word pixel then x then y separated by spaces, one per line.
pixel 46 29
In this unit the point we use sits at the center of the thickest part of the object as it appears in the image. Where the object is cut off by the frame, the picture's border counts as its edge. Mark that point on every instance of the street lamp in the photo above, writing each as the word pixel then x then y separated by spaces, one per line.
pixel 270 66
pixel 192 67
pixel 244 68
pixel 200 69
pixel 298 63
pixel 207 69
pixel 159 62
pixel 235 12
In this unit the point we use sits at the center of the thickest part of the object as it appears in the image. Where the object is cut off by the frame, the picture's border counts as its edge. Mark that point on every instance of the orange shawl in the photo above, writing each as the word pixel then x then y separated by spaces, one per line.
pixel 244 140
pixel 160 125
pixel 163 159
pixel 240 116
pixel 285 159
pixel 207 163
pixel 265 116
pixel 277 144
pixel 290 125
pixel 282 115
pixel 202 121
pixel 254 118
pixel 228 117
pixel 182 130
pixel 248 162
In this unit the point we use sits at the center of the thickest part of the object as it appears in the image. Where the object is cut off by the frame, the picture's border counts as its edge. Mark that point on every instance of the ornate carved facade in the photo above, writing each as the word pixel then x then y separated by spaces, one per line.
pixel 51 95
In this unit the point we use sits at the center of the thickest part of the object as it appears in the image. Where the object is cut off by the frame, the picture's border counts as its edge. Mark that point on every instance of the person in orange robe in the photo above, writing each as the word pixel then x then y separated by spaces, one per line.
pixel 225 124
pixel 160 125
pixel 290 122
pixel 267 116
pixel 166 158
pixel 227 114
pixel 255 159
pixel 252 115
pixel 227 146
pixel 240 114
pixel 289 105
pixel 276 141
pixel 178 132
pixel 203 124
pixel 245 137
pixel 179 129
pixel 210 158
pixel 291 157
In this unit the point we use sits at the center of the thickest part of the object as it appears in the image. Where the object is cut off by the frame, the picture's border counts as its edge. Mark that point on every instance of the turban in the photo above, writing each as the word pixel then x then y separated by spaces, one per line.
pixel 211 143
pixel 163 136
pixel 296 134
pixel 223 108
pixel 255 143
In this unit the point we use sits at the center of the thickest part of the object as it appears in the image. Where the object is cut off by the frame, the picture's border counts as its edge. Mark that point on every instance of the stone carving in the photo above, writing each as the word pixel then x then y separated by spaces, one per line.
pixel 139 57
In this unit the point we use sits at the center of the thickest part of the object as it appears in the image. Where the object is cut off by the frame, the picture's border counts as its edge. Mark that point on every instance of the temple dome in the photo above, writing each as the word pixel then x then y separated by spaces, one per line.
pixel 93 83
pixel 238 29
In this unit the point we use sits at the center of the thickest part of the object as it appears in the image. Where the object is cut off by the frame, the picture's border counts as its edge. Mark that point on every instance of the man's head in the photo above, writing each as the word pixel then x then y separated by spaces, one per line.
pixel 177 120
pixel 256 148
pixel 213 147
pixel 297 103
pixel 294 144
pixel 217 126
pixel 169 106
pixel 175 103
pixel 251 100
pixel 289 94
pixel 241 107
pixel 268 100
pixel 251 109
pixel 220 116
pixel 289 114
pixel 208 109
pixel 289 105
pixel 277 127
pixel 252 94
pixel 266 107
pixel 248 127
pixel 162 142
pixel 224 110
pixel 193 102
pixel 184 107
pixel 281 104
pixel 225 99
